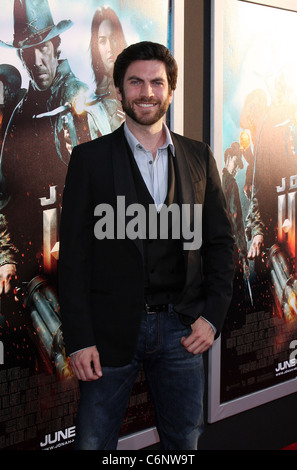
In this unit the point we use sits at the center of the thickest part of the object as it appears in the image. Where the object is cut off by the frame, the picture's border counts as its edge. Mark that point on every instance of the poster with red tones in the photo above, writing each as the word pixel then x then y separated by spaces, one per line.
pixel 56 91
pixel 254 137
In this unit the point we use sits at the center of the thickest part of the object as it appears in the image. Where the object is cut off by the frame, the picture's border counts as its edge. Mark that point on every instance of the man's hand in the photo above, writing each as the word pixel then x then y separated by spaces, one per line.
pixel 201 338
pixel 85 364
pixel 68 143
pixel 255 248
pixel 7 273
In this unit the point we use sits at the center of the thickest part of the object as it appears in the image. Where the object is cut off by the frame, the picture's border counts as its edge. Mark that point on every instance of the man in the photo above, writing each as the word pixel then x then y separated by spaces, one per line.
pixel 125 299
pixel 34 159
pixel 233 163
pixel 241 283
pixel 43 128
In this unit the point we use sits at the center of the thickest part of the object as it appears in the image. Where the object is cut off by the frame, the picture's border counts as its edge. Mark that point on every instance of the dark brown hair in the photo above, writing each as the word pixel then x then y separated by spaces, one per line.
pixel 145 50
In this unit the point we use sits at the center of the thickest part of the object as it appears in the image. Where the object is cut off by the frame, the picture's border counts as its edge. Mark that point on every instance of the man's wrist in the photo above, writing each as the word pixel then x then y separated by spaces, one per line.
pixel 82 349
pixel 214 329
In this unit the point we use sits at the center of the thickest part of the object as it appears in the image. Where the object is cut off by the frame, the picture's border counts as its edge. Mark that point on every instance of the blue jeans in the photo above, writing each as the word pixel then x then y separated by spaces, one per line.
pixel 175 379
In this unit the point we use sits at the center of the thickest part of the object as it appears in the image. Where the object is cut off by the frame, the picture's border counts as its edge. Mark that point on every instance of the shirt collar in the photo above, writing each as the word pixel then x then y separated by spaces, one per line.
pixel 133 142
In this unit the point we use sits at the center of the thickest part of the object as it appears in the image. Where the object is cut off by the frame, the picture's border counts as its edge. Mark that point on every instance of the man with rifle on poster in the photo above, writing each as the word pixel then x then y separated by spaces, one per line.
pixel 56 113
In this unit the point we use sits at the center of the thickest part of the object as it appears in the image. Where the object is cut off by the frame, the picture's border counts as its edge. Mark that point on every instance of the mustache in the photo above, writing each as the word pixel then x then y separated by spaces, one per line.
pixel 39 70
pixel 147 101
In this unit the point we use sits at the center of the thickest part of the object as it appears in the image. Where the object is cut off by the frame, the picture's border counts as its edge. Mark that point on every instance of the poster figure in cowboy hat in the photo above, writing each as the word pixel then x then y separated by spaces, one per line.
pixel 44 127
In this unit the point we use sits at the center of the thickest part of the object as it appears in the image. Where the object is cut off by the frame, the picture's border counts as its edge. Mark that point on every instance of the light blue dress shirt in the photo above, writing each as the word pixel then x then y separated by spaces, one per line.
pixel 153 171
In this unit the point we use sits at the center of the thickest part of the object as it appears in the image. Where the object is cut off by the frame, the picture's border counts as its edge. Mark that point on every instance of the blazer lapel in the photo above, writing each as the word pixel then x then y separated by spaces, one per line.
pixel 183 175
pixel 123 180
pixel 183 172
pixel 186 194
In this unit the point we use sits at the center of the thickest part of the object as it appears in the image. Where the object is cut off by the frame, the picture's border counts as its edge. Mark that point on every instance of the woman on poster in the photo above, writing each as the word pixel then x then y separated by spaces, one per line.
pixel 107 42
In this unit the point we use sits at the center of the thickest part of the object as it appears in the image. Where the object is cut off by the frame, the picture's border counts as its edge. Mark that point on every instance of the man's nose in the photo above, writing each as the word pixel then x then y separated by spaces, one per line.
pixel 37 57
pixel 147 90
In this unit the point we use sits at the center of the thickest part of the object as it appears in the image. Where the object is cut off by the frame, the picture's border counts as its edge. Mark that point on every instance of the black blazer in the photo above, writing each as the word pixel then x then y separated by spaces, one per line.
pixel 101 282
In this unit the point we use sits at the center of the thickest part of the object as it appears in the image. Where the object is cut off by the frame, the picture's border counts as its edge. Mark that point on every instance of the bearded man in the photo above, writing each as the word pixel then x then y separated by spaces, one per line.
pixel 148 299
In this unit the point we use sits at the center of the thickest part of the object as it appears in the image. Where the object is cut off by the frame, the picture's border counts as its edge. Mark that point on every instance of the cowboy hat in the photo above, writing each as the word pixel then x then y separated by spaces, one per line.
pixel 33 24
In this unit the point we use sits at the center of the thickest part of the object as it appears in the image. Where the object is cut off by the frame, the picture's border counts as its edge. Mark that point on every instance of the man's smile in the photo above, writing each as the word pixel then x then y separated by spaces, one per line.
pixel 145 104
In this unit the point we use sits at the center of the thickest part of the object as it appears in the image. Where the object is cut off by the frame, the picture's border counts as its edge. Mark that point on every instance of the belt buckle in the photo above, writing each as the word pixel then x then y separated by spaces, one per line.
pixel 154 309
pixel 148 311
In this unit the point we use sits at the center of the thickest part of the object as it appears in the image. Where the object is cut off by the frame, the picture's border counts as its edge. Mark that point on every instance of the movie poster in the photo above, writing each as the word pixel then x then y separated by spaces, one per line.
pixel 53 96
pixel 255 359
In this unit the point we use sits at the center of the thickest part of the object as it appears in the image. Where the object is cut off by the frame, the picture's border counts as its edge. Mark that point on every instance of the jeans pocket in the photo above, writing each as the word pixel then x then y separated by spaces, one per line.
pixel 174 330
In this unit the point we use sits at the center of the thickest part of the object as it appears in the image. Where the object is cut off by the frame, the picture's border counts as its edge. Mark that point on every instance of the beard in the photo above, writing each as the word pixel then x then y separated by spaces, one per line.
pixel 141 116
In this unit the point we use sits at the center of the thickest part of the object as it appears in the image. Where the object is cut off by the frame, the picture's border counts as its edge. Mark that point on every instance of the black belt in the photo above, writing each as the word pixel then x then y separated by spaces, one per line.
pixel 151 309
